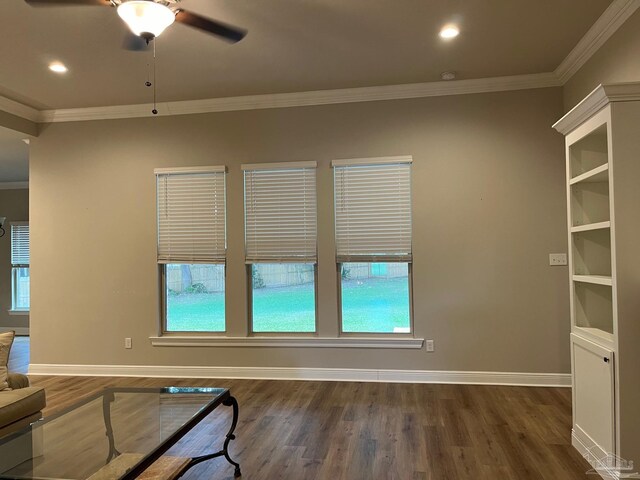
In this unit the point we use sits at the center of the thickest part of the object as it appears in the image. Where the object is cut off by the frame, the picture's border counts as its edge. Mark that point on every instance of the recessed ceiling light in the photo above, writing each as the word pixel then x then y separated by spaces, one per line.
pixel 57 67
pixel 449 31
pixel 448 75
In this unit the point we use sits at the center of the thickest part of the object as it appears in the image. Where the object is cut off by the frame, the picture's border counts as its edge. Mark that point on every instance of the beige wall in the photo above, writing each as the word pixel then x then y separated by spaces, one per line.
pixel 489 206
pixel 14 204
pixel 615 61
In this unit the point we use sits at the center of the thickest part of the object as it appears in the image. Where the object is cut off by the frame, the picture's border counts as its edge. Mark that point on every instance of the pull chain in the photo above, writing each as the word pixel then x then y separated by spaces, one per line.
pixel 155 110
pixel 148 82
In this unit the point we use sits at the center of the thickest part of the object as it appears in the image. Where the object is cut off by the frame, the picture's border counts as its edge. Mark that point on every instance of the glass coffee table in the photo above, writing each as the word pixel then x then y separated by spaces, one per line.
pixel 119 433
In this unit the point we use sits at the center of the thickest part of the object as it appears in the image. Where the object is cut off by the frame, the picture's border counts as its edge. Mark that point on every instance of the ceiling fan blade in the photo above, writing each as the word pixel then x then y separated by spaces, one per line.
pixel 226 32
pixel 61 3
pixel 134 43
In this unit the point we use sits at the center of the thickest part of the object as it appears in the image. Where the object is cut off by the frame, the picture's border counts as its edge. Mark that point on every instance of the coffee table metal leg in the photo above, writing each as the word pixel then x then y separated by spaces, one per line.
pixel 229 402
pixel 107 399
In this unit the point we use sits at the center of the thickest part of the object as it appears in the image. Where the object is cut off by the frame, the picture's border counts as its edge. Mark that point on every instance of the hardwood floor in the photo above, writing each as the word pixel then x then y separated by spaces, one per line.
pixel 349 430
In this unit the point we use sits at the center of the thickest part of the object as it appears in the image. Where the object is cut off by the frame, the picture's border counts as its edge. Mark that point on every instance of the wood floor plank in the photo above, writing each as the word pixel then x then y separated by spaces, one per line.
pixel 362 431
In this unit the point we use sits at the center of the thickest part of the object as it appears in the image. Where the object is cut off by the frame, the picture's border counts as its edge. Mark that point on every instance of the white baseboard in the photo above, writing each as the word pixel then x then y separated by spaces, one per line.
pixel 329 374
pixel 592 453
pixel 584 444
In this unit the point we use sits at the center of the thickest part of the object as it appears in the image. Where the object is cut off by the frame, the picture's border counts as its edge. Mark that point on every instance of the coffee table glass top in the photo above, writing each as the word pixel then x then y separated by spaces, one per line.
pixel 107 434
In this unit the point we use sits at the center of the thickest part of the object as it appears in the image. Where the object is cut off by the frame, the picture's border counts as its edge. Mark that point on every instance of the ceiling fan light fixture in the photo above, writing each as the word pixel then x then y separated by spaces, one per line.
pixel 146 18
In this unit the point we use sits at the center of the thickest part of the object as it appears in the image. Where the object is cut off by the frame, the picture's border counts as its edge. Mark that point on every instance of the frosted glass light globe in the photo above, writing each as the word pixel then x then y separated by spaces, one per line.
pixel 146 18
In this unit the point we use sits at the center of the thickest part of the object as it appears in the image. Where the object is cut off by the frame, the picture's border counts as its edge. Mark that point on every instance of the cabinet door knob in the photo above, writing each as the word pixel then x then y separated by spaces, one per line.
pixel 606 359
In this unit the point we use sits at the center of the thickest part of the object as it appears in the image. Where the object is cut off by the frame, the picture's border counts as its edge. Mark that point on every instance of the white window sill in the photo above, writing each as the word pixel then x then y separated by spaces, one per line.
pixel 305 342
pixel 18 312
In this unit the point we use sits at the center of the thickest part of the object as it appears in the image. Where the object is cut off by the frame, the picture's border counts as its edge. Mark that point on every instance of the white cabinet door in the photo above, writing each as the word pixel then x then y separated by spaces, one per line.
pixel 593 394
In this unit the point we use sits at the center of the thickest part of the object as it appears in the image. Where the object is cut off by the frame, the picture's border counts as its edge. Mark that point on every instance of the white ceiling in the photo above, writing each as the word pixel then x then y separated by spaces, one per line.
pixel 292 46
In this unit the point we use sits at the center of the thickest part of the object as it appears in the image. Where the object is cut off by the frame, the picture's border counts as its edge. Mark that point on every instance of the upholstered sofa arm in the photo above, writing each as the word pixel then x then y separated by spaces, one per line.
pixel 18 380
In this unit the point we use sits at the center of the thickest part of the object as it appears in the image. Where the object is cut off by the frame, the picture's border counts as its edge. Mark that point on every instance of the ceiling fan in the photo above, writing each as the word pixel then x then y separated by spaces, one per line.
pixel 149 18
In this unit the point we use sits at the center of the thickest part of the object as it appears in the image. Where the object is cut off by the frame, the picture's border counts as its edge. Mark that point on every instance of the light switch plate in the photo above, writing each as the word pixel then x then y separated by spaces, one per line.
pixel 557 259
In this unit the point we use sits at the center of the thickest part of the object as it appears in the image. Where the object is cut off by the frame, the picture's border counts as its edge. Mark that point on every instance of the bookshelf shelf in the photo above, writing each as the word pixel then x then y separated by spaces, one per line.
pixel 596 175
pixel 594 279
pixel 591 226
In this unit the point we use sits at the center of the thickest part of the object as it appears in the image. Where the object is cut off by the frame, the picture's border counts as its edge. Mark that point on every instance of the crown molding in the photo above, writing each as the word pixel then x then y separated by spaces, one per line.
pixel 303 99
pixel 609 22
pixel 601 96
pixel 19 109
pixel 13 185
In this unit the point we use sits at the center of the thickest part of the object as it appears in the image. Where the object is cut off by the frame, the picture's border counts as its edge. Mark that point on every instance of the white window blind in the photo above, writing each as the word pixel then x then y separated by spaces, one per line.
pixel 280 212
pixel 373 209
pixel 191 215
pixel 20 244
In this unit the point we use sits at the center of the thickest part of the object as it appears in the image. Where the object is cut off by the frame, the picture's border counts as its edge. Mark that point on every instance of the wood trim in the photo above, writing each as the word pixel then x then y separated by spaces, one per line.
pixel 20 331
pixel 609 22
pixel 324 374
pixel 188 170
pixel 594 279
pixel 599 98
pixel 19 109
pixel 584 444
pixel 277 166
pixel 589 176
pixel 587 107
pixel 302 99
pixel 589 227
pixel 14 185
pixel 346 162
pixel 397 342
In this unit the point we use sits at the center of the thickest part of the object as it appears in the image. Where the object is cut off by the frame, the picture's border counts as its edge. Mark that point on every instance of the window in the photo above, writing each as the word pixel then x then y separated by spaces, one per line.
pixel 192 248
pixel 20 258
pixel 372 202
pixel 280 243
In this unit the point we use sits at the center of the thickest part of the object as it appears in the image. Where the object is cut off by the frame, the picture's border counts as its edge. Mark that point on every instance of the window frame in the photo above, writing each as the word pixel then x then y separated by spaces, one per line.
pixel 252 332
pixel 14 273
pixel 342 333
pixel 162 277
pixel 403 159
pixel 14 289
pixel 249 262
pixel 162 265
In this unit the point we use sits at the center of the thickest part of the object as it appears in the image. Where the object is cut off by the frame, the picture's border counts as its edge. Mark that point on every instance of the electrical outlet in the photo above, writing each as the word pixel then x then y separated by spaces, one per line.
pixel 430 346
pixel 127 342
pixel 557 259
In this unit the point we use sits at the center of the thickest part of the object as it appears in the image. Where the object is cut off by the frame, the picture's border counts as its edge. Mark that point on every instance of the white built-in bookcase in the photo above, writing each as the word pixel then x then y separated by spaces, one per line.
pixel 602 141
